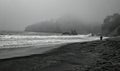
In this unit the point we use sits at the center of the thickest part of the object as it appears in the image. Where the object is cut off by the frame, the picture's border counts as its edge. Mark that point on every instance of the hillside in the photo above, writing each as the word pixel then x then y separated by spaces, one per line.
pixel 64 24
pixel 111 26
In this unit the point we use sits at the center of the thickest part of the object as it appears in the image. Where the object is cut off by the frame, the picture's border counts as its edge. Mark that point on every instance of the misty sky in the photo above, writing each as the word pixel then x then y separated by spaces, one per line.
pixel 17 14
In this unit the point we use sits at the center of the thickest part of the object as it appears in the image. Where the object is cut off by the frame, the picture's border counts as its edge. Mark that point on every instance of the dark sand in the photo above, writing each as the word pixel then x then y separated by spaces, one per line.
pixel 86 56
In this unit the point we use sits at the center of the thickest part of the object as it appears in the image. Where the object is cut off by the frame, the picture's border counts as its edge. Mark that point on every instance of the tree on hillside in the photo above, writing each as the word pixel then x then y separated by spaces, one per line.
pixel 111 23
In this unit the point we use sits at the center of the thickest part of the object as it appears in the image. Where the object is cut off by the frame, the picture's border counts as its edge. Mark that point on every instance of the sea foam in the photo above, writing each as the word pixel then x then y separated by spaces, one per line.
pixel 16 41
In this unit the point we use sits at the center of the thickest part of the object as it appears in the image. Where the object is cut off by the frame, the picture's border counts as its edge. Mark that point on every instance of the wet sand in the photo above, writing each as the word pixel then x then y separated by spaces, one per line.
pixel 26 51
pixel 85 56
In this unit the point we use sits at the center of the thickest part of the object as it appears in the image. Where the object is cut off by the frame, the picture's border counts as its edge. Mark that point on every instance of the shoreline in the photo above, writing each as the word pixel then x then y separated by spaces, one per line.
pixel 32 50
pixel 9 53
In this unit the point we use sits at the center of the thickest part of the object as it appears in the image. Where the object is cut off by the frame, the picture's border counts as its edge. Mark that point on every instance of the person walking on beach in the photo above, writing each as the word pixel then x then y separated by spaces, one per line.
pixel 101 37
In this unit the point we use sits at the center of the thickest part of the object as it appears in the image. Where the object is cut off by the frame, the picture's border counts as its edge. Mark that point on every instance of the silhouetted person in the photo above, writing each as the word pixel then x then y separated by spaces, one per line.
pixel 101 37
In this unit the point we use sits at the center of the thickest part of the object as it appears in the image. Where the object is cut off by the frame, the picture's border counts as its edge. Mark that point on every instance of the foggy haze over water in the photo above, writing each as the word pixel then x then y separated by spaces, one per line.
pixel 17 14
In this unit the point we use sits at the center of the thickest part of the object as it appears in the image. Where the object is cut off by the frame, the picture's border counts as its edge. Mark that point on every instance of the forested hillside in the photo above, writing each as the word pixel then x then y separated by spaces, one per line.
pixel 111 26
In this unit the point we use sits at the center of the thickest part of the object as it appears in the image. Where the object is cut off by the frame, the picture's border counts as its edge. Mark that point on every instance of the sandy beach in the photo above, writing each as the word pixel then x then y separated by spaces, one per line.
pixel 85 56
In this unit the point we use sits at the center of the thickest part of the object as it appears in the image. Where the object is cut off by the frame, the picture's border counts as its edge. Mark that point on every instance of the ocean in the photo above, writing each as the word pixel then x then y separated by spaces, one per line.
pixel 29 39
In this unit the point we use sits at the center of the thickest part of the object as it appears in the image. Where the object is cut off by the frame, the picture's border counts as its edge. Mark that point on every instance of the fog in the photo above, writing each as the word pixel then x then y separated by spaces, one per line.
pixel 17 14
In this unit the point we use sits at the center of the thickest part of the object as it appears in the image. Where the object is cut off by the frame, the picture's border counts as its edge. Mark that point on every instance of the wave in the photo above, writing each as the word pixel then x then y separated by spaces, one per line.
pixel 15 41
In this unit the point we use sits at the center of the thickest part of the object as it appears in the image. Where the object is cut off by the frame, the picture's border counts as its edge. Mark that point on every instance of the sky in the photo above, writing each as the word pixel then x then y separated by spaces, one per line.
pixel 17 14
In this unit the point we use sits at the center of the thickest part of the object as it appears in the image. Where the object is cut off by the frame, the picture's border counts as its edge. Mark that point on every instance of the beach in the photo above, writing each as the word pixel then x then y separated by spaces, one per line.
pixel 18 45
pixel 80 56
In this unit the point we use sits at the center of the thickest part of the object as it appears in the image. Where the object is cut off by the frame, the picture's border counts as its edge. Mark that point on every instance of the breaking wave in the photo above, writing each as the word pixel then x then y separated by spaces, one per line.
pixel 16 41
